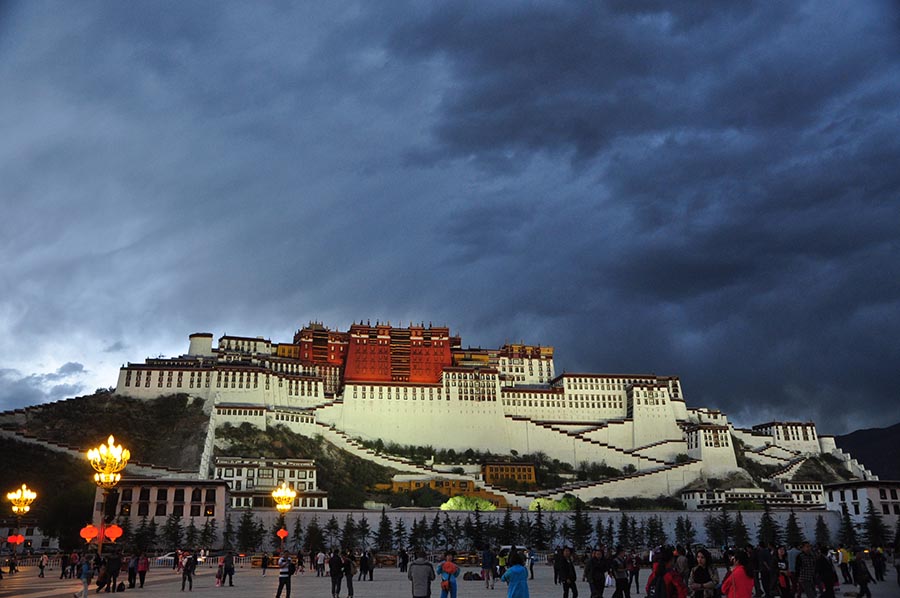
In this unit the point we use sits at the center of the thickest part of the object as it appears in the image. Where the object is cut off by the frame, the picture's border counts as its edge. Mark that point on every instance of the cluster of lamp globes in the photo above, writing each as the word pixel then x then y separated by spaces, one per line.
pixel 108 460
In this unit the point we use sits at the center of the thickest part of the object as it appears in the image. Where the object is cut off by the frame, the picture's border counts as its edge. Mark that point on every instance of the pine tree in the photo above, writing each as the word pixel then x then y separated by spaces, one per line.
pixel 713 527
pixel 364 530
pixel 384 537
pixel 468 532
pixel 823 534
pixel 173 532
pixel 741 535
pixel 478 528
pixel 314 539
pixel 690 533
pixel 246 532
pixel 152 535
pixel 332 532
pixel 610 534
pixel 209 533
pixel 565 530
pixel 793 535
pixel 141 535
pixel 539 531
pixel 552 529
pixel 599 531
pixel 769 531
pixel 127 538
pixel 297 535
pixel 417 533
pixel 191 535
pixel 507 529
pixel 679 531
pixel 581 527
pixel 279 523
pixel 897 538
pixel 623 536
pixel 399 534
pixel 228 535
pixel 847 533
pixel 349 533
pixel 637 540
pixel 523 529
pixel 725 526
pixel 876 531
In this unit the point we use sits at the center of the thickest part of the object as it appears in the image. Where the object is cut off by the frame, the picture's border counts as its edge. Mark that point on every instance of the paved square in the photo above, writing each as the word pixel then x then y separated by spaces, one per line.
pixel 249 583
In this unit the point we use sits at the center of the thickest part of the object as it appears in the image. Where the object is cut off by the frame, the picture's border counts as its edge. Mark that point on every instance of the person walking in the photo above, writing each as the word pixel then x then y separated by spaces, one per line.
pixel 420 574
pixel 320 564
pixel 861 575
pixel 86 575
pixel 228 569
pixel 634 572
pixel 264 563
pixel 132 571
pixel 620 574
pixel 363 565
pixel 285 570
pixel 350 570
pixel 188 566
pixel 532 556
pixel 567 574
pixel 113 568
pixel 488 562
pixel 448 571
pixel 595 572
pixel 806 571
pixel 143 565
pixel 516 576
pixel 42 564
pixel 336 570
pixel 371 564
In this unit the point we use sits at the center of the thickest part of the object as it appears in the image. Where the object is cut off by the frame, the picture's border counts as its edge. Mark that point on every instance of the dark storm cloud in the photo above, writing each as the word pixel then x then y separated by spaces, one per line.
pixel 701 189
pixel 18 390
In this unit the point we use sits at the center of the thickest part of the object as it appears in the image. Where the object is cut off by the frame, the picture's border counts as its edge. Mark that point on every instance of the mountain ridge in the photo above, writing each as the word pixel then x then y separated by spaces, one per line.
pixel 876 447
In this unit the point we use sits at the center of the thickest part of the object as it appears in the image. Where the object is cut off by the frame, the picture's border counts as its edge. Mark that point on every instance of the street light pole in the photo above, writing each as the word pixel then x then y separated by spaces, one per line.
pixel 21 500
pixel 284 497
pixel 108 460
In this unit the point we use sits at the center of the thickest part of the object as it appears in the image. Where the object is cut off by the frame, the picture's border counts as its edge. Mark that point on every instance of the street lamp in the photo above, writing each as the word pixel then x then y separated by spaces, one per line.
pixel 284 497
pixel 21 500
pixel 108 460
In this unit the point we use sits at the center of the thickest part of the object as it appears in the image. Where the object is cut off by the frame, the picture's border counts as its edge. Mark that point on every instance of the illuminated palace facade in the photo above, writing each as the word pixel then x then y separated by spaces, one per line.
pixel 418 385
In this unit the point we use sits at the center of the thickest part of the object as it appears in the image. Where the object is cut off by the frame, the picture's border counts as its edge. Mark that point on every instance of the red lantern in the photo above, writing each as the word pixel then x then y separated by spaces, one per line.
pixel 16 539
pixel 282 533
pixel 113 532
pixel 88 532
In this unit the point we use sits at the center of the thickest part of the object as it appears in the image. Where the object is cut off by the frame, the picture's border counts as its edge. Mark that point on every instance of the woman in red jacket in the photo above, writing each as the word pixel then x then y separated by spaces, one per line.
pixel 738 584
pixel 674 583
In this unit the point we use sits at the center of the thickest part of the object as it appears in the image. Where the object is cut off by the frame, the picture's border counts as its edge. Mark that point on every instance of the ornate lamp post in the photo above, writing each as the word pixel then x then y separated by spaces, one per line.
pixel 21 500
pixel 108 460
pixel 284 497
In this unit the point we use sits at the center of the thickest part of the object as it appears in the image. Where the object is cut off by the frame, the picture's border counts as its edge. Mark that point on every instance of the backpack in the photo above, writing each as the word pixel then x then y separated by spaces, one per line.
pixel 292 568
pixel 658 589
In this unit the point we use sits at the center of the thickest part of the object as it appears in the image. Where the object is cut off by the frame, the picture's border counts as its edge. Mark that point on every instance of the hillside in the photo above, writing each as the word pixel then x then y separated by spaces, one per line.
pixel 64 486
pixel 344 476
pixel 168 431
pixel 877 448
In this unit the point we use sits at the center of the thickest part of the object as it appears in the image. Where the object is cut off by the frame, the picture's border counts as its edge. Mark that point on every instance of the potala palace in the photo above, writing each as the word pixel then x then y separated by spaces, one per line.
pixel 418 386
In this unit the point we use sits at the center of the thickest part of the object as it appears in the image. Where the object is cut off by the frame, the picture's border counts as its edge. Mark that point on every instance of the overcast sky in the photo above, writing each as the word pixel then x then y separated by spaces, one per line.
pixel 708 191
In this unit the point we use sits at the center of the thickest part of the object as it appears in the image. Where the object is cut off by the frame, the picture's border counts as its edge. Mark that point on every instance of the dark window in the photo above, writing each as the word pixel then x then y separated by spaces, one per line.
pixel 853 494
pixel 145 493
pixel 161 508
pixel 179 495
pixel 195 510
pixel 178 510
pixel 143 509
pixel 126 494
pixel 161 494
pixel 196 495
pixel 211 495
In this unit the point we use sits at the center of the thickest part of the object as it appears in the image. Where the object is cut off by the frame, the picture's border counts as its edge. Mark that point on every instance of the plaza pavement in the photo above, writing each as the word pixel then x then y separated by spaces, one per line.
pixel 249 583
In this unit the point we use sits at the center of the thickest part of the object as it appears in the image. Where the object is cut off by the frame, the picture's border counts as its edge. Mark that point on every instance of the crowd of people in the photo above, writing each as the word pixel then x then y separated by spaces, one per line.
pixel 764 571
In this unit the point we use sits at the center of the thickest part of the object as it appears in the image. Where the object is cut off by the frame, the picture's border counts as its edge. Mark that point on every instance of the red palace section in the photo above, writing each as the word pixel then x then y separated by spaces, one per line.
pixel 382 353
